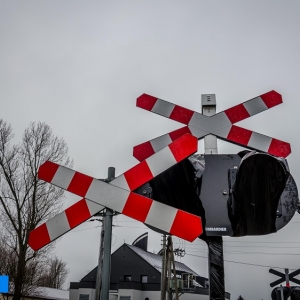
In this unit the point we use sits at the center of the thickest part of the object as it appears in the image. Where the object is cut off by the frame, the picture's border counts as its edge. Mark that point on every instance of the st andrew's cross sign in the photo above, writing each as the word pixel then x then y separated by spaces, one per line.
pixel 285 277
pixel 118 196
pixel 157 156
pixel 220 125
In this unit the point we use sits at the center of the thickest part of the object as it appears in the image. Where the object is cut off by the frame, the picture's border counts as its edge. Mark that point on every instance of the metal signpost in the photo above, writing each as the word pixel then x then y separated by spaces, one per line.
pixel 162 154
pixel 103 269
pixel 214 243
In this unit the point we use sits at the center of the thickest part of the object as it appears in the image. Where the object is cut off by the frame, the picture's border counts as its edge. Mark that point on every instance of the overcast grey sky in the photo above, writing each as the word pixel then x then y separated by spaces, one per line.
pixel 80 65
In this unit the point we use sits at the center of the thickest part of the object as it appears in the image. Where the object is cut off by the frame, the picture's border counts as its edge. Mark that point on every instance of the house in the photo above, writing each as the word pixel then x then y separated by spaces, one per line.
pixel 136 275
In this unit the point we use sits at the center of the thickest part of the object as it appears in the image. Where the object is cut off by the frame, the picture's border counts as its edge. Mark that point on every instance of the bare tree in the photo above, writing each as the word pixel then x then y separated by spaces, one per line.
pixel 26 201
pixel 55 274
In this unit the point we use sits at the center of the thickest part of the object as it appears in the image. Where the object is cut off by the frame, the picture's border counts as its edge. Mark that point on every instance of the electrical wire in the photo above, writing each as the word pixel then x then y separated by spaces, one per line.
pixel 259 246
pixel 243 263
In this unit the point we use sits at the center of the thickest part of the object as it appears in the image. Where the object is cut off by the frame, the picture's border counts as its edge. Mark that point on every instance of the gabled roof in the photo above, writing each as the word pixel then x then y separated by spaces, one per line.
pixel 156 260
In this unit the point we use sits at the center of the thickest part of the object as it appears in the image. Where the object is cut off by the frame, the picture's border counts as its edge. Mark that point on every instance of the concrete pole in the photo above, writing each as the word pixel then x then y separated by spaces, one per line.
pixel 214 243
pixel 100 262
pixel 163 270
pixel 208 102
pixel 103 270
pixel 169 292
pixel 106 255
pixel 174 269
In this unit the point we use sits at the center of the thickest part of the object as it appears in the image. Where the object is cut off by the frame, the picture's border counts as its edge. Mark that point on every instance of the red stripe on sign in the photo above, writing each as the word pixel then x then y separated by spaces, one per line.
pixel 181 114
pixel 146 101
pixel 271 99
pixel 184 146
pixel 137 207
pixel 239 135
pixel 186 226
pixel 138 175
pixel 143 151
pixel 279 148
pixel 237 113
pixel 39 237
pixel 47 171
pixel 80 184
pixel 174 135
pixel 77 213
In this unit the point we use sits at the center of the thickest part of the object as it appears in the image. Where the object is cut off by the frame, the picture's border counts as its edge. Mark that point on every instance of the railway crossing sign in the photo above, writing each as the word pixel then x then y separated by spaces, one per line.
pixel 156 156
pixel 285 277
pixel 117 195
pixel 220 125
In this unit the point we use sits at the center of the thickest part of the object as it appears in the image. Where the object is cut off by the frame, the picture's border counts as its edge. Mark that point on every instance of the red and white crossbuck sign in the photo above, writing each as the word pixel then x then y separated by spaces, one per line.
pixel 156 156
pixel 117 196
pixel 220 125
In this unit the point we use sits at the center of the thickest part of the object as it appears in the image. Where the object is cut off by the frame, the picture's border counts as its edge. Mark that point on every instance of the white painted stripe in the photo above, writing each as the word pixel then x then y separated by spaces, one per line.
pixel 58 225
pixel 198 120
pixel 221 119
pixel 93 207
pixel 260 141
pixel 255 106
pixel 163 108
pixel 160 142
pixel 197 132
pixel 222 131
pixel 63 177
pixel 161 216
pixel 161 161
pixel 121 182
pixel 107 195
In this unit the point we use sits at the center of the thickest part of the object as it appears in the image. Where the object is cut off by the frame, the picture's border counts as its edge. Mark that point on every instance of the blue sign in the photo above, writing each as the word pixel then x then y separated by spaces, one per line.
pixel 3 284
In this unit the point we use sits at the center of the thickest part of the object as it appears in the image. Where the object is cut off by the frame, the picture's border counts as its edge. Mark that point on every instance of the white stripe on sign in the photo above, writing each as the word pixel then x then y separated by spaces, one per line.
pixel 255 106
pixel 57 225
pixel 163 108
pixel 221 119
pixel 93 207
pixel 161 142
pixel 63 177
pixel 161 161
pixel 198 120
pixel 107 195
pixel 260 141
pixel 121 182
pixel 161 216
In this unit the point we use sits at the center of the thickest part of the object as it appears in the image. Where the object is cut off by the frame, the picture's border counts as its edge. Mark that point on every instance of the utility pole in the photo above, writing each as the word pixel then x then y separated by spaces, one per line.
pixel 174 268
pixel 169 291
pixel 103 270
pixel 100 262
pixel 214 243
pixel 163 270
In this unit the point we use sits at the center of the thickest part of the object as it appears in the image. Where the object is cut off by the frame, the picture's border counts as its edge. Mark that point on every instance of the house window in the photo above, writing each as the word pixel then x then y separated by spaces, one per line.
pixel 84 296
pixel 127 278
pixel 144 278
